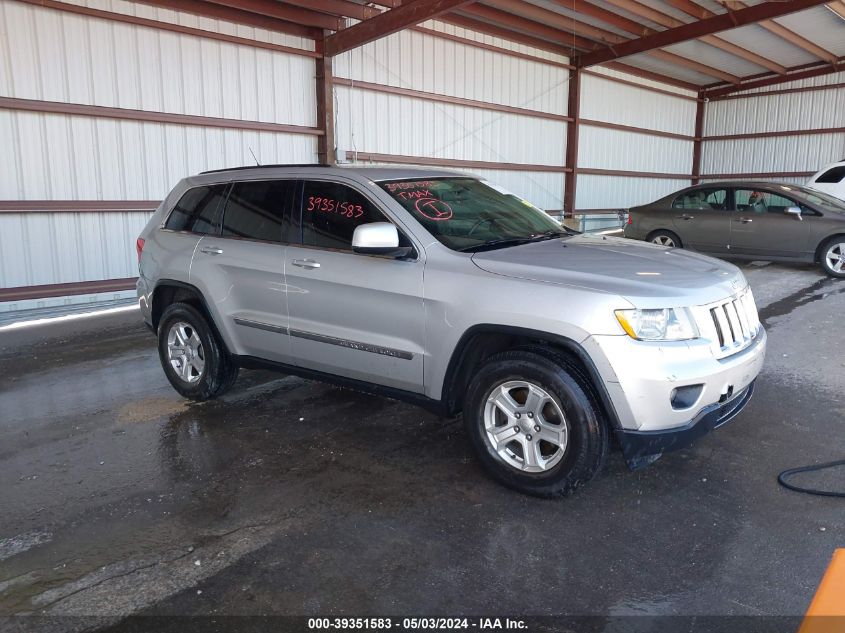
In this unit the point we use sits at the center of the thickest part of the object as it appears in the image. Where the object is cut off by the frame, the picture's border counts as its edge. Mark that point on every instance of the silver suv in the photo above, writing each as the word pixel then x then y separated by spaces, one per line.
pixel 448 291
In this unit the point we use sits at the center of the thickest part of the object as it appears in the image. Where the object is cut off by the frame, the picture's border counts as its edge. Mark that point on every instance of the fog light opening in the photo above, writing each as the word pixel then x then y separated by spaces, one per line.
pixel 685 397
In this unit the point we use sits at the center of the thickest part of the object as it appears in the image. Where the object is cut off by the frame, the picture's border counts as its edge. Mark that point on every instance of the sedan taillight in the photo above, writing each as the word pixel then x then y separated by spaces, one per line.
pixel 139 246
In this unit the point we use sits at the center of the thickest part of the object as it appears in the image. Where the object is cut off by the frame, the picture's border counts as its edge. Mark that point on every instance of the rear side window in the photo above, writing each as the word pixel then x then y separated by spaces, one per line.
pixel 835 174
pixel 257 210
pixel 330 213
pixel 702 199
pixel 197 210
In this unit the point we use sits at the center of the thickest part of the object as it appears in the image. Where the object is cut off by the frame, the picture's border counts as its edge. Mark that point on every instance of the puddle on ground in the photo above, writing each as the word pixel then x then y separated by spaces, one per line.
pixel 150 409
pixel 788 304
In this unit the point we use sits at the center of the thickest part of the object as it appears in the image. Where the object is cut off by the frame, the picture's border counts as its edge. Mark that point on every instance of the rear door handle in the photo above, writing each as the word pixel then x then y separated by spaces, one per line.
pixel 746 220
pixel 686 216
pixel 306 263
pixel 211 250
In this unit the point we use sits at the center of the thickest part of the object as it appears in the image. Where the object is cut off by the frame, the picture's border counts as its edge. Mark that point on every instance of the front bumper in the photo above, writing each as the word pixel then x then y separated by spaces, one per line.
pixel 641 378
pixel 641 448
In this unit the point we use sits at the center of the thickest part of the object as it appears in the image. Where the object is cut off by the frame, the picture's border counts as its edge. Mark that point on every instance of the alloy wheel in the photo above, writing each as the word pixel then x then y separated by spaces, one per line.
pixel 525 427
pixel 664 240
pixel 835 257
pixel 185 352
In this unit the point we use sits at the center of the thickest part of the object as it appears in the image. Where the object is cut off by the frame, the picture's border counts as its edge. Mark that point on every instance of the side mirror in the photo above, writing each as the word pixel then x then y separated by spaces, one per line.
pixel 796 211
pixel 378 238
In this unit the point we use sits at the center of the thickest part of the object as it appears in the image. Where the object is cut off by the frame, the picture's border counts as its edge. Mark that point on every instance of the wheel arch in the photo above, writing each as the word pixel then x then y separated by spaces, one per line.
pixel 482 341
pixel 169 291
pixel 678 241
pixel 818 256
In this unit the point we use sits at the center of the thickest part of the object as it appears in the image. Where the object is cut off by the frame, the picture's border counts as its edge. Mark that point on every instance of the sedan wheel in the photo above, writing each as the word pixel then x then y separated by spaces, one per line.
pixel 835 257
pixel 663 240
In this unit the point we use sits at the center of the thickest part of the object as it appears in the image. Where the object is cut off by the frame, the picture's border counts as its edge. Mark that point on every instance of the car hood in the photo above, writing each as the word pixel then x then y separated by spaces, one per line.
pixel 645 274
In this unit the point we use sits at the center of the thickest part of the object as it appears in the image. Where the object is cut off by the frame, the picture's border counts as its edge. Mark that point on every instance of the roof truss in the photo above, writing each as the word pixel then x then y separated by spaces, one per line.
pixel 693 30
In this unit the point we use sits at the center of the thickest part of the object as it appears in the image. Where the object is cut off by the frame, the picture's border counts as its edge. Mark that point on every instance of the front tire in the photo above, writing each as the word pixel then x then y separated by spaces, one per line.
pixel 833 256
pixel 533 424
pixel 193 358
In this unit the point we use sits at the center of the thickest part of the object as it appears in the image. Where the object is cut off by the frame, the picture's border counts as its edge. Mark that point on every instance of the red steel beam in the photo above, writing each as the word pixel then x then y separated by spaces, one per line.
pixel 341 8
pixel 667 21
pixel 325 107
pixel 776 134
pixel 210 10
pixel 572 132
pixel 556 20
pixel 391 21
pixel 647 74
pixel 818 71
pixel 282 11
pixel 794 38
pixel 399 159
pixel 166 26
pixel 535 29
pixel 507 34
pixel 633 84
pixel 127 114
pixel 22 293
pixel 696 144
pixel 700 28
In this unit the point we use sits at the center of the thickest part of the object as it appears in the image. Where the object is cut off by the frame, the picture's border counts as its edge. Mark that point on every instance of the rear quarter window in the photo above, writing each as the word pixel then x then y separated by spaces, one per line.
pixel 197 210
pixel 833 175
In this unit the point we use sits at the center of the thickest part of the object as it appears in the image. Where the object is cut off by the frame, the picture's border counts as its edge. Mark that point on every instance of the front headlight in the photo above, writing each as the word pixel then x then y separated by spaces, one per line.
pixel 668 324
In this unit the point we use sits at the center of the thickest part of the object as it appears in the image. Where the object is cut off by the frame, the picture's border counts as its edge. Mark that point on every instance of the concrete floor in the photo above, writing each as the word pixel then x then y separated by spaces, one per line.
pixel 292 497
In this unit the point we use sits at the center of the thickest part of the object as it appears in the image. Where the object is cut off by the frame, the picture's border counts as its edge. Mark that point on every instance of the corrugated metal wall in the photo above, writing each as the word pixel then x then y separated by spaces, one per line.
pixel 602 148
pixel 776 113
pixel 56 56
pixel 61 57
pixel 372 121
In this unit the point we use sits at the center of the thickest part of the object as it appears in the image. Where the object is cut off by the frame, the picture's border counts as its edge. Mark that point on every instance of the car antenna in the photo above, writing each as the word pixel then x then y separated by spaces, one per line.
pixel 254 158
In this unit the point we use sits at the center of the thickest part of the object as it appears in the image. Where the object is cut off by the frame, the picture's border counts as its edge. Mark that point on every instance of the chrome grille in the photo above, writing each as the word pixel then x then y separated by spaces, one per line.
pixel 736 322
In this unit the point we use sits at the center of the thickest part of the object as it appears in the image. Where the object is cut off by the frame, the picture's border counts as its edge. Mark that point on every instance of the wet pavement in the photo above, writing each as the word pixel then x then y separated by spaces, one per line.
pixel 292 497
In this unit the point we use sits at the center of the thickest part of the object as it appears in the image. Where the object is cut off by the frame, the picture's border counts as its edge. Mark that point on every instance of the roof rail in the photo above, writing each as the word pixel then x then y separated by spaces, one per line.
pixel 246 167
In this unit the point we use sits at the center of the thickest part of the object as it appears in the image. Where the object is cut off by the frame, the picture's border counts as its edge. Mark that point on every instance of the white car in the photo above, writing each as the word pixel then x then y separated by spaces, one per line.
pixel 830 180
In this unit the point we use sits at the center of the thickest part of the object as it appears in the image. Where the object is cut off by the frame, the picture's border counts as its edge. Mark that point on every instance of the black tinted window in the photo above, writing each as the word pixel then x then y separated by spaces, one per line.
pixel 330 213
pixel 197 210
pixel 836 174
pixel 256 210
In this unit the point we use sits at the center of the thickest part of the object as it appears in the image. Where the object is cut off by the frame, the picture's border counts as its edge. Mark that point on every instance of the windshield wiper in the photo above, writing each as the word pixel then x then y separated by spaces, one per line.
pixel 516 241
pixel 550 235
pixel 502 241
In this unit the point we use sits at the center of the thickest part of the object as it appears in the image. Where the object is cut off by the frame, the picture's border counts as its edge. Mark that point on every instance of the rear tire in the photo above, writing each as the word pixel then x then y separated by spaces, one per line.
pixel 194 360
pixel 665 238
pixel 561 442
pixel 833 256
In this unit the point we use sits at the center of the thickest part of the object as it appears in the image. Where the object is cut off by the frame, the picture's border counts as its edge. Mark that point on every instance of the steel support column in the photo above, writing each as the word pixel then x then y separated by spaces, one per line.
pixel 325 105
pixel 572 129
pixel 696 144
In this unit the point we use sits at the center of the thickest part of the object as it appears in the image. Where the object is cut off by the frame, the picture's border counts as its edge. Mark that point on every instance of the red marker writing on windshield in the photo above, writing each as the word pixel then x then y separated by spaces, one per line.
pixel 434 209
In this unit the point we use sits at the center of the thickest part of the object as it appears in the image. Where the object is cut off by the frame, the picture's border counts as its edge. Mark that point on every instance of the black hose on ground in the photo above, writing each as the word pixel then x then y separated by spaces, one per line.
pixel 808 469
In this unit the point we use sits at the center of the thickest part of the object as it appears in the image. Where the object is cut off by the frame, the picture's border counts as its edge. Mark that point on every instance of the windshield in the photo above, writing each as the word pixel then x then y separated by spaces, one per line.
pixel 818 198
pixel 466 214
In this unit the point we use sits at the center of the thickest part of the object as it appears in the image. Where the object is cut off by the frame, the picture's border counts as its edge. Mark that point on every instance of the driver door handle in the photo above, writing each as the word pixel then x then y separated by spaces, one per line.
pixel 306 263
pixel 686 216
pixel 746 220
pixel 211 250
